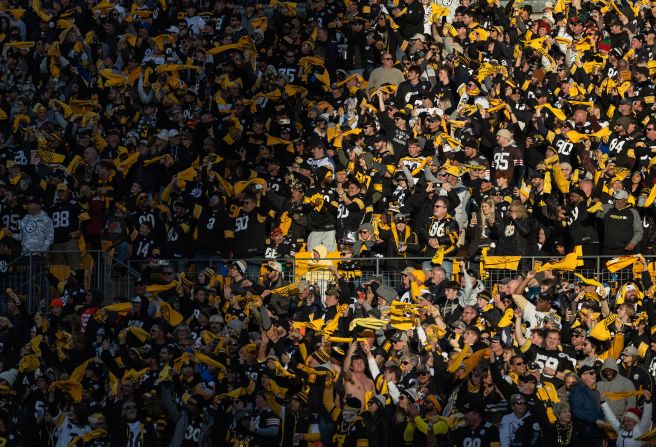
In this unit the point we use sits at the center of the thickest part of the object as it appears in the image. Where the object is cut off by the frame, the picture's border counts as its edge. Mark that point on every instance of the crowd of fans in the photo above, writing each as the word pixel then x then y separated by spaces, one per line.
pixel 209 147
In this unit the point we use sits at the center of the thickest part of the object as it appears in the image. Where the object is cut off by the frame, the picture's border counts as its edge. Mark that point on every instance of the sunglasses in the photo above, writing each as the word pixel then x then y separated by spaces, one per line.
pixel 519 364
pixel 422 374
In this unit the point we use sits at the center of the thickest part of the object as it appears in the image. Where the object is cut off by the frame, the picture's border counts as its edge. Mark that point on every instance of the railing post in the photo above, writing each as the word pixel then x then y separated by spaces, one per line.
pixel 30 282
pixel 598 270
pixel 377 267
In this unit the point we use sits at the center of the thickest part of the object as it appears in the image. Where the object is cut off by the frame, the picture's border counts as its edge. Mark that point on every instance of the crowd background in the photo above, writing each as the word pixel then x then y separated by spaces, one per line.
pixel 256 165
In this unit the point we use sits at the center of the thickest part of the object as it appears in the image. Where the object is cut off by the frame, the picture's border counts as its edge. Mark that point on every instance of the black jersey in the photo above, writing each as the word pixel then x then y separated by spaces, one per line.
pixel 11 217
pixel 179 234
pixel 212 225
pixel 250 234
pixel 65 219
pixel 484 435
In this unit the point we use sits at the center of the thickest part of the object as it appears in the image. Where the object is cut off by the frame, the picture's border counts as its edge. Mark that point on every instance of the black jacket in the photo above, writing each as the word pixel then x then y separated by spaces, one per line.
pixel 412 22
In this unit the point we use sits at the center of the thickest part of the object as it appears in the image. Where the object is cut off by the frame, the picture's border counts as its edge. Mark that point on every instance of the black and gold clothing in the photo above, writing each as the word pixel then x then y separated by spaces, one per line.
pixel 179 235
pixel 211 232
pixel 444 230
pixel 66 219
pixel 249 233
pixel 349 217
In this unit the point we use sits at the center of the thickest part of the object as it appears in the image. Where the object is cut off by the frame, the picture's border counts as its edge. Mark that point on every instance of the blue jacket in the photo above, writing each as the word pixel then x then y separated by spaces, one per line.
pixel 585 404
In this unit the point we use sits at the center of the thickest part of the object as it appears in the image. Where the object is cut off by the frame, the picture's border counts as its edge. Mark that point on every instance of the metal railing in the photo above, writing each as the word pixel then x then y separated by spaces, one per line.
pixel 37 279
pixel 380 268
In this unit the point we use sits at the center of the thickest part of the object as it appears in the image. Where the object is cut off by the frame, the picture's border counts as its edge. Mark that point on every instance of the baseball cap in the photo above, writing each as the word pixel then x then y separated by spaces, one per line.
pixel 526 378
pixel 517 398
pixel 586 369
pixel 621 194
pixel 418 36
pixel 631 350
pixel 274 265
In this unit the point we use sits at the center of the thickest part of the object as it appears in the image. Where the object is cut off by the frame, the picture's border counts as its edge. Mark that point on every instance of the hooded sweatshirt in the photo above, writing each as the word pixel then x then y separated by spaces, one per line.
pixel 619 384
pixel 36 233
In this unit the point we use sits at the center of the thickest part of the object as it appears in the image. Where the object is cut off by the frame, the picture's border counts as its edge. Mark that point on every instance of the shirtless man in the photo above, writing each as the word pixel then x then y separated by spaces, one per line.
pixel 356 383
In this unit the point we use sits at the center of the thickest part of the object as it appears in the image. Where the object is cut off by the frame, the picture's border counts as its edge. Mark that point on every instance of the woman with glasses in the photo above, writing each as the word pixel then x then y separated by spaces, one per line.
pixel 633 424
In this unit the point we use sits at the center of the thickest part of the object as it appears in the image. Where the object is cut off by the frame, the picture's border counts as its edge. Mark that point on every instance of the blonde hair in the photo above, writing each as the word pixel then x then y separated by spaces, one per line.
pixel 519 208
pixel 488 219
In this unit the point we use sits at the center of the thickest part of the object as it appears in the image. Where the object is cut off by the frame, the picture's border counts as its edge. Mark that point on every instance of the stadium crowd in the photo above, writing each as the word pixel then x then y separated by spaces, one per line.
pixel 257 164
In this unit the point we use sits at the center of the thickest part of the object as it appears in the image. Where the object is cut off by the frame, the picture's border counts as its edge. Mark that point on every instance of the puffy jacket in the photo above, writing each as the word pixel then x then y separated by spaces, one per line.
pixel 36 233
pixel 585 404
pixel 619 384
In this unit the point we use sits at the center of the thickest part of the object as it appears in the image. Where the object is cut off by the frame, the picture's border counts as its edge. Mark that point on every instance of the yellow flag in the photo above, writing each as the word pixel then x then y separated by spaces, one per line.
pixel 188 174
pixel 438 258
pixel 28 363
pixel 113 79
pixel 120 308
pixel 367 323
pixel 156 288
pixel 590 282
pixel 38 10
pixel 78 373
pixel 202 358
pixel 164 68
pixel 620 262
pixel 651 197
pixel 600 330
pixel 71 387
pixel 172 316
pixel 324 78
pixel 502 262
pixel 288 290
pixel 569 262
pixel 558 113
pixel 260 23
pixel 293 90
pixel 457 360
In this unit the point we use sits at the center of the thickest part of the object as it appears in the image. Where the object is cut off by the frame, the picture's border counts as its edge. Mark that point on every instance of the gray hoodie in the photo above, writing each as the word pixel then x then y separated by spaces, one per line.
pixel 619 384
pixel 36 233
